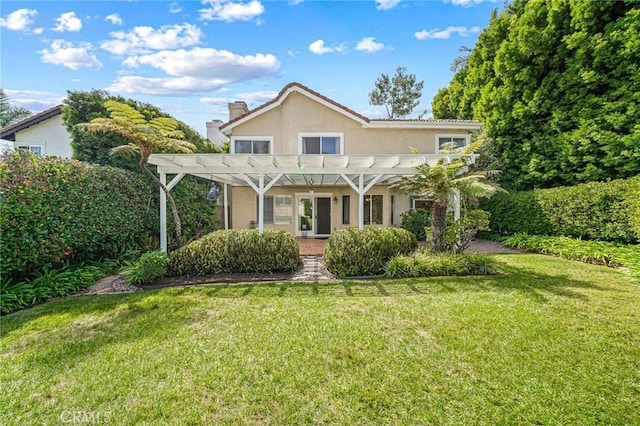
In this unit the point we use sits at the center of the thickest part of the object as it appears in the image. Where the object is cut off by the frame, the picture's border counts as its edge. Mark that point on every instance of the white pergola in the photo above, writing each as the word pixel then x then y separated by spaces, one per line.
pixel 263 171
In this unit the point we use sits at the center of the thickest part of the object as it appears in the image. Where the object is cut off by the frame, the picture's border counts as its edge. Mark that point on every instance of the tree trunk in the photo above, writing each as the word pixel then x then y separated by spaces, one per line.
pixel 172 203
pixel 438 225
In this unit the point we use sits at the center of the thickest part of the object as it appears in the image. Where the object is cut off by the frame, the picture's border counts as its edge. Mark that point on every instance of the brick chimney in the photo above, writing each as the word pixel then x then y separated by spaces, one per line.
pixel 236 109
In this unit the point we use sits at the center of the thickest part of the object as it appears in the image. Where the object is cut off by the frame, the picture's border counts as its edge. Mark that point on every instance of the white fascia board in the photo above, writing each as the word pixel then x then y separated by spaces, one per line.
pixel 421 125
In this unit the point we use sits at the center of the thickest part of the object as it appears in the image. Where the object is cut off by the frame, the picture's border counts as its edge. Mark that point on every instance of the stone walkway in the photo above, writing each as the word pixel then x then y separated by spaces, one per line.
pixel 312 270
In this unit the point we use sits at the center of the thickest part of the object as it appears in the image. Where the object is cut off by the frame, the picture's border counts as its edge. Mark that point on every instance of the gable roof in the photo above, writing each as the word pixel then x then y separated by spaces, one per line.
pixel 9 132
pixel 364 121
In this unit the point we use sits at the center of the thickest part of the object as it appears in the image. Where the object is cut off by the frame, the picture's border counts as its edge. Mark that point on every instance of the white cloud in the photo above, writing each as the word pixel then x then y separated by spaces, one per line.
pixel 386 4
pixel 18 20
pixel 33 100
pixel 447 33
pixel 175 8
pixel 469 3
pixel 68 22
pixel 253 99
pixel 114 18
pixel 215 101
pixel 369 44
pixel 146 39
pixel 209 63
pixel 38 31
pixel 319 48
pixel 194 71
pixel 229 11
pixel 64 53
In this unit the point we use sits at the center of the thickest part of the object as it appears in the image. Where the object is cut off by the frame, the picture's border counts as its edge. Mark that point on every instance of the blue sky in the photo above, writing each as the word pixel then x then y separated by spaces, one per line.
pixel 192 57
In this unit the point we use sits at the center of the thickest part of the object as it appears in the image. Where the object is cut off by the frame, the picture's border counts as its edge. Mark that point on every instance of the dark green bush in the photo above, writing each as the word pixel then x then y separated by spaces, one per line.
pixel 150 266
pixel 56 210
pixel 426 264
pixel 236 250
pixel 461 232
pixel 415 222
pixel 350 252
pixel 608 211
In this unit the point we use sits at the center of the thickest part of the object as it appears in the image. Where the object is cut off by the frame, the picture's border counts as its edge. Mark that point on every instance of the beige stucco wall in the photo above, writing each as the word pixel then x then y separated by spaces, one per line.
pixel 300 114
pixel 50 134
pixel 245 205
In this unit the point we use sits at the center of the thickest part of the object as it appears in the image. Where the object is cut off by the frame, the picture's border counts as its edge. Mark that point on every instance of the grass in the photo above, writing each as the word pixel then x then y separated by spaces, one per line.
pixel 549 341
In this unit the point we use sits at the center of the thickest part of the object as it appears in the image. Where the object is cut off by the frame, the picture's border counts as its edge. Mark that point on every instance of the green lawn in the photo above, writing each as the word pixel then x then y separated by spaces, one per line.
pixel 549 341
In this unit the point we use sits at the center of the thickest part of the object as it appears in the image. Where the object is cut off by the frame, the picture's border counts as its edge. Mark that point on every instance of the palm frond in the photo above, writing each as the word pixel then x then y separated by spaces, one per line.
pixel 128 150
pixel 124 113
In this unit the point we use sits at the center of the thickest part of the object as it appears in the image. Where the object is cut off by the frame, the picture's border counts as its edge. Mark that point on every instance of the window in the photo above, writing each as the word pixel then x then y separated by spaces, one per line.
pixel 393 210
pixel 450 143
pixel 278 209
pixel 346 207
pixel 373 209
pixel 312 143
pixel 251 145
pixel 420 203
pixel 33 148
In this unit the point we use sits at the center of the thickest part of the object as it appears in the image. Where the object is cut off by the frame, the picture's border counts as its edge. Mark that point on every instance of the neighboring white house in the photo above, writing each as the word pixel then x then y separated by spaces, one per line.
pixel 43 133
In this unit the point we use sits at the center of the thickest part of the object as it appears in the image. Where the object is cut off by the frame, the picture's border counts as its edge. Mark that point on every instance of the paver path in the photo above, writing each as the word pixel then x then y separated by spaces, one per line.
pixel 312 270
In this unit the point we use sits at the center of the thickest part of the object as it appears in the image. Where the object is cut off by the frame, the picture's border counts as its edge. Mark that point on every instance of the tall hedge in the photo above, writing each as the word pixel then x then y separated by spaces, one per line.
pixel 56 210
pixel 608 211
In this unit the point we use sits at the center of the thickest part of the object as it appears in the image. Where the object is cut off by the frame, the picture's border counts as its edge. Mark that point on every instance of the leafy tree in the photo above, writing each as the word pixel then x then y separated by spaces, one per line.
pixel 9 114
pixel 557 85
pixel 145 137
pixel 399 94
pixel 438 182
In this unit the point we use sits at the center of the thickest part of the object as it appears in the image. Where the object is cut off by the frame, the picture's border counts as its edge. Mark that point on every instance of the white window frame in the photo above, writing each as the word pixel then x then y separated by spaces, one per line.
pixel 232 146
pixel 271 220
pixel 415 198
pixel 338 135
pixel 367 221
pixel 29 146
pixel 466 136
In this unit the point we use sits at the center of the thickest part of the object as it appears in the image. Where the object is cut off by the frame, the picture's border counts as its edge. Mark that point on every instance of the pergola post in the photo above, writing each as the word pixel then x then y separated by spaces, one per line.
pixel 361 190
pixel 226 206
pixel 456 204
pixel 261 189
pixel 163 214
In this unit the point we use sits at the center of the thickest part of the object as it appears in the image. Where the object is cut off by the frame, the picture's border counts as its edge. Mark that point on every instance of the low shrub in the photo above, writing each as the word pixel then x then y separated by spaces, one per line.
pixel 608 211
pixel 426 264
pixel 597 252
pixel 236 250
pixel 350 252
pixel 145 270
pixel 415 221
pixel 461 232
pixel 47 283
pixel 56 210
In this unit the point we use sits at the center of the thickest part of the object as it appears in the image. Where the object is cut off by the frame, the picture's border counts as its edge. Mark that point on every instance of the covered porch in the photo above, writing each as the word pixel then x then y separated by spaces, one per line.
pixel 261 172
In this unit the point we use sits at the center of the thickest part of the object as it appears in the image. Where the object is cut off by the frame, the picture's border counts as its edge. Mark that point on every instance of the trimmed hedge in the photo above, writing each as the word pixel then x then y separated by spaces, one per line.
pixel 350 252
pixel 57 210
pixel 425 264
pixel 608 211
pixel 236 250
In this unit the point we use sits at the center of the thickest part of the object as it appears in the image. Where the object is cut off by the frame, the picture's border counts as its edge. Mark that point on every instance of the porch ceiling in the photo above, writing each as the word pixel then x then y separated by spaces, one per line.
pixel 297 170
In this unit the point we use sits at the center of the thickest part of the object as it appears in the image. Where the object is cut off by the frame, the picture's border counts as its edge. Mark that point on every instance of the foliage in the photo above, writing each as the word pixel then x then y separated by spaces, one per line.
pixel 48 283
pixel 8 114
pixel 146 269
pixel 415 222
pixel 350 252
pixel 57 210
pixel 557 85
pixel 423 263
pixel 144 137
pixel 439 181
pixel 607 211
pixel 597 252
pixel 461 232
pixel 236 250
pixel 399 94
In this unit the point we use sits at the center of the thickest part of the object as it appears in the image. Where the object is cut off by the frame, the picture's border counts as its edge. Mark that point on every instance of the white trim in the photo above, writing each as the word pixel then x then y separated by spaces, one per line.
pixel 232 144
pixel 466 136
pixel 339 135
pixel 29 145
pixel 423 124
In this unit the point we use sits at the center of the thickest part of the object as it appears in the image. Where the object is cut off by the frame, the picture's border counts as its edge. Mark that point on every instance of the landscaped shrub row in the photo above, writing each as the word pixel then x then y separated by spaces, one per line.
pixel 426 264
pixel 608 211
pixel 415 221
pixel 351 252
pixel 598 252
pixel 47 283
pixel 57 210
pixel 236 250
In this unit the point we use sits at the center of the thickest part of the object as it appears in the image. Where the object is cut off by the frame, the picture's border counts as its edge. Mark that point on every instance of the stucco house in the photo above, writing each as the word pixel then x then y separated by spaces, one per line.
pixel 309 165
pixel 43 133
